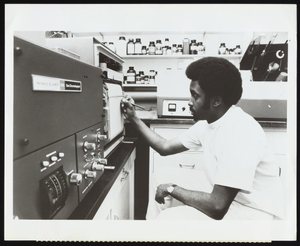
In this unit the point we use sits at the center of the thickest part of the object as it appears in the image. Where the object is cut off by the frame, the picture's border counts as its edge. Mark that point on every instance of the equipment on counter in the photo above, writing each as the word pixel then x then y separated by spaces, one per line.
pixel 66 123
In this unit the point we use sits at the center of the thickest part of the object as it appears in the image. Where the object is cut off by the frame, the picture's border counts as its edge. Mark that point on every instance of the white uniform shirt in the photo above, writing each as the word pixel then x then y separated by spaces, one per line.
pixel 237 155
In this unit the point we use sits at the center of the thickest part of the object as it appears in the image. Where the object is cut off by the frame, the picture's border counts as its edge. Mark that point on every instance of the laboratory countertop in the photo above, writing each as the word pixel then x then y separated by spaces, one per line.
pixel 88 207
pixel 151 117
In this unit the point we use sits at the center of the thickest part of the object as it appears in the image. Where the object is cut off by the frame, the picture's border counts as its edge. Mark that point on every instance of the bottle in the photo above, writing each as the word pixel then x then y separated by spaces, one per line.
pixel 238 50
pixel 193 43
pixel 144 50
pixel 174 49
pixel 169 51
pixel 138 47
pixel 166 45
pixel 131 76
pixel 152 48
pixel 142 76
pixel 179 49
pixel 158 47
pixel 201 48
pixel 130 47
pixel 121 46
pixel 222 49
pixel 194 48
pixel 186 46
pixel 137 78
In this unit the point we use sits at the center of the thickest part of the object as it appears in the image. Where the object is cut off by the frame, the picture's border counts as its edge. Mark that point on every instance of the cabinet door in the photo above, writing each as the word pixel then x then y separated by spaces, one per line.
pixel 119 202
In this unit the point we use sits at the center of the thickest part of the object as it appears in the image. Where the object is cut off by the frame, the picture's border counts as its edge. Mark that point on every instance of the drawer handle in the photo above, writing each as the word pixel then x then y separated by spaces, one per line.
pixel 126 174
pixel 187 165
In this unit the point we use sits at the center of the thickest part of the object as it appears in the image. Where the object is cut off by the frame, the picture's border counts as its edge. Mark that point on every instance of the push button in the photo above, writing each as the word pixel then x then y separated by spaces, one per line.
pixel 61 154
pixel 53 158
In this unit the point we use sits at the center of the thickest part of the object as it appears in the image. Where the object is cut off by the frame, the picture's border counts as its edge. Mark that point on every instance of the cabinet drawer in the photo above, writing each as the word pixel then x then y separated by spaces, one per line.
pixel 191 160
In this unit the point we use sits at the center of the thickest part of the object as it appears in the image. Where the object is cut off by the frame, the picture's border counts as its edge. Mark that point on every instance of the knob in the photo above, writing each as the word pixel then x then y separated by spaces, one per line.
pixel 90 174
pixel 76 179
pixel 101 137
pixel 100 167
pixel 101 161
pixel 89 146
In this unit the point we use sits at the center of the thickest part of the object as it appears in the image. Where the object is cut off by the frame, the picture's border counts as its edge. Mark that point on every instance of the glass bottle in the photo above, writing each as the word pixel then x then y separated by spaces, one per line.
pixel 192 46
pixel 169 51
pixel 222 49
pixel 174 49
pixel 201 48
pixel 186 46
pixel 131 76
pixel 152 48
pixel 238 50
pixel 144 50
pixel 166 45
pixel 121 46
pixel 179 49
pixel 130 47
pixel 138 47
pixel 158 46
pixel 142 76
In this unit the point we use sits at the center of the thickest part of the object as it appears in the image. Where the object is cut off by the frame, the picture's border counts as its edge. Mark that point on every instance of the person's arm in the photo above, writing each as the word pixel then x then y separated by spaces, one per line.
pixel 214 204
pixel 161 145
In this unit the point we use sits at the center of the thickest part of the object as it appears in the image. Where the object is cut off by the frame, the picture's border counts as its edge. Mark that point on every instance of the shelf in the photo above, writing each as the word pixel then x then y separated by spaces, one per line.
pixel 178 56
pixel 138 85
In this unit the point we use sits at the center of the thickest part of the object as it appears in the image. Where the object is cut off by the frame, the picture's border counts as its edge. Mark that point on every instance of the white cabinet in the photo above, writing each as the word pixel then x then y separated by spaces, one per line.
pixel 187 159
pixel 119 202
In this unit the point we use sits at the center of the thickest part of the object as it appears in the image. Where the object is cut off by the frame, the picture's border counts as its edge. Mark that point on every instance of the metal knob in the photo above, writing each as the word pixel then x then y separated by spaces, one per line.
pixel 101 137
pixel 90 174
pixel 99 167
pixel 101 161
pixel 89 146
pixel 75 179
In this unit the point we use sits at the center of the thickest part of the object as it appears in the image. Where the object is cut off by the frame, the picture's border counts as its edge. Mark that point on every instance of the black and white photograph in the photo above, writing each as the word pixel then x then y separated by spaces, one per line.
pixel 150 122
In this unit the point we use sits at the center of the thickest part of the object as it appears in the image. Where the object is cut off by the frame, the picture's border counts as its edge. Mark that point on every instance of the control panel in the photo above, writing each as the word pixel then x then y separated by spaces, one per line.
pixel 176 108
pixel 44 182
pixel 90 157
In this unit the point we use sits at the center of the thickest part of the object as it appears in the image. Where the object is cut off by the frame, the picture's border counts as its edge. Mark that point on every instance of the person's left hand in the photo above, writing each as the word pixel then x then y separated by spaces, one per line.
pixel 161 193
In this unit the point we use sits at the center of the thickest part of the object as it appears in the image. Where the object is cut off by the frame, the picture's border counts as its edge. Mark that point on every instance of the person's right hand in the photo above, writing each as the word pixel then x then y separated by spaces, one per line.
pixel 126 106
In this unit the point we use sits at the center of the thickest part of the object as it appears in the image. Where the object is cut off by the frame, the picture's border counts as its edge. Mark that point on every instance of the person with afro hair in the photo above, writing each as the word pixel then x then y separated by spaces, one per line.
pixel 240 179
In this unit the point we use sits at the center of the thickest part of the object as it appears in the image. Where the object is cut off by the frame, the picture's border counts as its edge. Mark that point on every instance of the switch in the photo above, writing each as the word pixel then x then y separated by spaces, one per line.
pixel 76 179
pixel 53 158
pixel 89 146
pixel 98 167
pixel 90 174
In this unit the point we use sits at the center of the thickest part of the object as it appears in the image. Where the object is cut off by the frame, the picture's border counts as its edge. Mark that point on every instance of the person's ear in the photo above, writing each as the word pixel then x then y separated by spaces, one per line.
pixel 216 101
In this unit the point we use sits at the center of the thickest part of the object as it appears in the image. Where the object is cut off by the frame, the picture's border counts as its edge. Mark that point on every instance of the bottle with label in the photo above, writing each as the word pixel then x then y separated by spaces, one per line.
pixel 159 47
pixel 144 50
pixel 130 47
pixel 142 76
pixel 152 48
pixel 179 49
pixel 193 46
pixel 201 48
pixel 166 45
pixel 186 46
pixel 169 51
pixel 121 46
pixel 222 49
pixel 174 49
pixel 131 76
pixel 138 47
pixel 238 50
